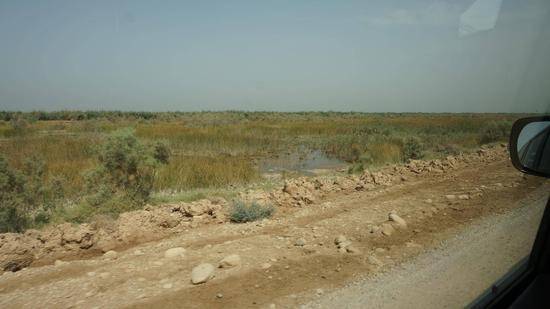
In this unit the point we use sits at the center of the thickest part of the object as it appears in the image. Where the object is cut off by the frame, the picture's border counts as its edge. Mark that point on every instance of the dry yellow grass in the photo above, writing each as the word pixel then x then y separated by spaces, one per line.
pixel 214 149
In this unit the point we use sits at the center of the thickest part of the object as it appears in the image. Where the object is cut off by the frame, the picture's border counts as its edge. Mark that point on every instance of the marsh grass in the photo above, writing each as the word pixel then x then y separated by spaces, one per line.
pixel 191 172
pixel 213 150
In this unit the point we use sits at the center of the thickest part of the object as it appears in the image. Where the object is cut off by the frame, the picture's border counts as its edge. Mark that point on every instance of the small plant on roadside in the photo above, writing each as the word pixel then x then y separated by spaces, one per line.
pixel 413 149
pixel 356 168
pixel 242 212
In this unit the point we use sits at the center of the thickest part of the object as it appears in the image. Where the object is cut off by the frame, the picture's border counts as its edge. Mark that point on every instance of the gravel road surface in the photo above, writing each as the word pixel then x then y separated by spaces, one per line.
pixel 452 275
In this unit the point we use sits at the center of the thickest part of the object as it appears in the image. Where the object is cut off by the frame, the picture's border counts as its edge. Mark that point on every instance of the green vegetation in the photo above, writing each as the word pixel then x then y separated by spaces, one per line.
pixel 123 180
pixel 496 131
pixel 413 149
pixel 106 162
pixel 242 212
pixel 26 197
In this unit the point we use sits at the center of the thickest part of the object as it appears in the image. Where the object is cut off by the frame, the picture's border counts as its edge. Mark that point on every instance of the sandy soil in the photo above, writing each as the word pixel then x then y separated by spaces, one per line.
pixel 299 247
pixel 455 273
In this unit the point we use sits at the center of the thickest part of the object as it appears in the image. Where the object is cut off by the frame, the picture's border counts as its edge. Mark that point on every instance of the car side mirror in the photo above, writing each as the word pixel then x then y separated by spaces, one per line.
pixel 530 145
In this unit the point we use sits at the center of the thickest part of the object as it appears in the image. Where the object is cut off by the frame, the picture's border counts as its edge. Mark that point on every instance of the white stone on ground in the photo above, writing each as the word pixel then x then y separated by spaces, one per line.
pixel 387 229
pixel 202 273
pixel 398 220
pixel 230 261
pixel 176 252
pixel 111 255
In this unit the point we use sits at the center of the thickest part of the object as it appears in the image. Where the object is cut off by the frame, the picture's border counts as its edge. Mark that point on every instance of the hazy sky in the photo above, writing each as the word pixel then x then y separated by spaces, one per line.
pixel 372 56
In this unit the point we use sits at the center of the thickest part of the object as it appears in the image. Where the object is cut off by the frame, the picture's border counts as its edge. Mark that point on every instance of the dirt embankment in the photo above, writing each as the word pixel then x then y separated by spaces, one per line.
pixel 68 241
pixel 327 231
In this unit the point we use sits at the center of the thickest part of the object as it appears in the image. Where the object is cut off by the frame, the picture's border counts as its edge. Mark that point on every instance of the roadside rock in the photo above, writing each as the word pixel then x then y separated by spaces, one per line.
pixel 16 252
pixel 375 230
pixel 174 253
pixel 301 190
pixel 340 239
pixel 387 229
pixel 374 261
pixel 80 236
pixel 377 178
pixel 111 255
pixel 202 273
pixel 400 222
pixel 198 208
pixel 104 275
pixel 59 263
pixel 300 242
pixel 230 261
pixel 352 249
pixel 344 244
pixel 450 197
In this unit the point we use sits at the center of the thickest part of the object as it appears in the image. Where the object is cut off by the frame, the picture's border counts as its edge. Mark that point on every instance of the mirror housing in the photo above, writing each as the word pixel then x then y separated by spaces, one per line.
pixel 530 145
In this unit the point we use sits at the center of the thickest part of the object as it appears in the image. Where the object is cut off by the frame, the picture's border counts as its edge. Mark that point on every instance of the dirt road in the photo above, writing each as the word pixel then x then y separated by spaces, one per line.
pixel 292 259
pixel 454 273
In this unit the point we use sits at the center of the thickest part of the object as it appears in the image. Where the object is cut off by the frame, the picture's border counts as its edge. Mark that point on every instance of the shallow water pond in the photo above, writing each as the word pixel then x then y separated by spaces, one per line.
pixel 303 162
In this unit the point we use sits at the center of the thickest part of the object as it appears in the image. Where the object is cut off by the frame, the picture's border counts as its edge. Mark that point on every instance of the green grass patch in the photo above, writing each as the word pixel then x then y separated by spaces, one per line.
pixel 241 212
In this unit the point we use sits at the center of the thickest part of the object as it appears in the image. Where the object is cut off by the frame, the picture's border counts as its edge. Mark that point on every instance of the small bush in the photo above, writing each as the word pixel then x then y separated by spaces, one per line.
pixel 13 215
pixel 26 198
pixel 124 178
pixel 242 212
pixel 19 125
pixel 413 149
pixel 161 152
pixel 447 150
pixel 495 131
pixel 356 168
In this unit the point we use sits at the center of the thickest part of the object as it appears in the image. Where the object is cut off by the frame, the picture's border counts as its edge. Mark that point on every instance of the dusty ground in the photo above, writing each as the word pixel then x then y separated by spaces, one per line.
pixel 291 259
pixel 453 274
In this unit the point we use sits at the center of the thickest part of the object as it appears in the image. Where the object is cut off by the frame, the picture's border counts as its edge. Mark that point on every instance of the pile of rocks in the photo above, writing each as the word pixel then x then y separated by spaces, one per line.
pixel 18 251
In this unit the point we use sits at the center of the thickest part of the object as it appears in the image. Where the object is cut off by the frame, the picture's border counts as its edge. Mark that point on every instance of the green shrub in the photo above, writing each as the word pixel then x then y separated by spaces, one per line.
pixel 356 168
pixel 447 150
pixel 241 212
pixel 124 178
pixel 161 152
pixel 26 198
pixel 413 149
pixel 495 131
pixel 19 125
pixel 13 215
